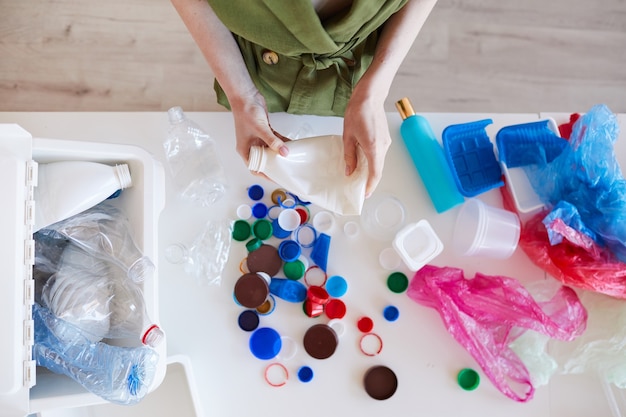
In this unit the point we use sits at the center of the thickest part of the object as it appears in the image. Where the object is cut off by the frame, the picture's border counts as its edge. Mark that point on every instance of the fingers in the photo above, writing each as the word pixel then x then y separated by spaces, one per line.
pixel 349 154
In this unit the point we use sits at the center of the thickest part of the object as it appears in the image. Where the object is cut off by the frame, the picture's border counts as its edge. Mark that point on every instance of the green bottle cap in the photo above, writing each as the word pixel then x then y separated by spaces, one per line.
pixel 397 282
pixel 253 244
pixel 241 230
pixel 262 229
pixel 294 270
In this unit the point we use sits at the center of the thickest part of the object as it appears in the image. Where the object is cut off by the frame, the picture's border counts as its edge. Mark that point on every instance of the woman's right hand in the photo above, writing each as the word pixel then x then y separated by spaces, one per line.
pixel 252 127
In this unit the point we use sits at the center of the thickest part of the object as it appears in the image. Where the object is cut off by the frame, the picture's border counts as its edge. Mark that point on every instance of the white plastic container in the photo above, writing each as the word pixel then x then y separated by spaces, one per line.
pixel 483 230
pixel 67 188
pixel 315 171
pixel 24 388
pixel 417 244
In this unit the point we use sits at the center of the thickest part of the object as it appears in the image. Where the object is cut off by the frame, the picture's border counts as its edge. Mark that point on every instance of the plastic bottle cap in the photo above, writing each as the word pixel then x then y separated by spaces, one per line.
pixel 397 282
pixel 248 320
pixel 338 326
pixel 262 229
pixel 305 374
pixel 304 213
pixel 267 307
pixel 265 259
pixel 380 382
pixel 383 216
pixel 288 290
pixel 315 276
pixel 323 221
pixel 289 250
pixel 389 259
pixel 468 379
pixel 241 230
pixel 365 324
pixel 391 313
pixel 259 210
pixel 254 244
pixel 319 253
pixel 255 192
pixel 289 348
pixel 153 336
pixel 265 343
pixel 305 235
pixel 294 270
pixel 320 341
pixel 123 174
pixel 244 211
pixel 251 290
pixel 351 229
pixel 278 231
pixel 317 295
pixel 279 195
pixel 273 212
pixel 289 219
pixel 336 286
pixel 335 309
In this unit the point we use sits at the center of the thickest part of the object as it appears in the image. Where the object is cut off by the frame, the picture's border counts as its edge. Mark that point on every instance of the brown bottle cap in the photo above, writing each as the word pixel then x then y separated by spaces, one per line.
pixel 320 341
pixel 251 290
pixel 380 382
pixel 265 259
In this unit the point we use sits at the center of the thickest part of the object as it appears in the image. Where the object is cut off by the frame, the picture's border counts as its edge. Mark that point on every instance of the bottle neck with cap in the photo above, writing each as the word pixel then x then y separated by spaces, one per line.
pixel 257 159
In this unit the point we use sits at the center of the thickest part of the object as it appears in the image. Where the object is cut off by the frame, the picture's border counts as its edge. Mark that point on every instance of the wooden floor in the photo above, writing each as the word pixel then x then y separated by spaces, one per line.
pixel 472 56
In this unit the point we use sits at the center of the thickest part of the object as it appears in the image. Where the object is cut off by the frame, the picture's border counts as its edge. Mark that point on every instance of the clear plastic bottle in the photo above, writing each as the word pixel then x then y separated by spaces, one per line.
pixel 95 296
pixel 193 160
pixel 104 232
pixel 66 188
pixel 121 375
pixel 315 171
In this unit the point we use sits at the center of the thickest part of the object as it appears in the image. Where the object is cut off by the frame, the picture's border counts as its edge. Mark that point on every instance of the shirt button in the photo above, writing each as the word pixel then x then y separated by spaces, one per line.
pixel 270 57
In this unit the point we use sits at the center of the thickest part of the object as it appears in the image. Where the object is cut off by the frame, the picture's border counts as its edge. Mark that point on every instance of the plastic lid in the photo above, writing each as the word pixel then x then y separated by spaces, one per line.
pixel 320 341
pixel 265 259
pixel 336 286
pixel 351 229
pixel 323 221
pixel 304 213
pixel 255 192
pixel 380 382
pixel 248 320
pixel 267 307
pixel 265 343
pixel 289 348
pixel 288 290
pixel 365 324
pixel 305 374
pixel 335 309
pixel 468 379
pixel 391 313
pixel 244 211
pixel 279 195
pixel 397 282
pixel 305 235
pixel 289 250
pixel 259 210
pixel 278 231
pixel 273 212
pixel 254 244
pixel 294 270
pixel 338 326
pixel 289 219
pixel 389 259
pixel 241 230
pixel 383 216
pixel 153 336
pixel 317 295
pixel 175 115
pixel 319 254
pixel 262 229
pixel 251 290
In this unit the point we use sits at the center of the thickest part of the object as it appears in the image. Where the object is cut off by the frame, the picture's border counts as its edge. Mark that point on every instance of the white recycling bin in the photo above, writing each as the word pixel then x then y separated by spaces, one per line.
pixel 25 388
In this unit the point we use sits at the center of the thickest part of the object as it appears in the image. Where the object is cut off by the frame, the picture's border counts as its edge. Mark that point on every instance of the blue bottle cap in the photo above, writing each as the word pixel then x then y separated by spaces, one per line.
pixel 288 289
pixel 255 192
pixel 391 313
pixel 289 250
pixel 336 286
pixel 259 210
pixel 305 374
pixel 248 320
pixel 278 231
pixel 265 343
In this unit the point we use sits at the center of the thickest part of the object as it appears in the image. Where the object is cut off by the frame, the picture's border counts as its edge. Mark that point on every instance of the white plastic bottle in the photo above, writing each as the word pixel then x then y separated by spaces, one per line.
pixel 193 160
pixel 71 187
pixel 315 171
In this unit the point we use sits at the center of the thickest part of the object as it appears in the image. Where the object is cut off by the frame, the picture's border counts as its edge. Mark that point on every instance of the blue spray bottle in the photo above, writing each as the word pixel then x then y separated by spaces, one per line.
pixel 428 158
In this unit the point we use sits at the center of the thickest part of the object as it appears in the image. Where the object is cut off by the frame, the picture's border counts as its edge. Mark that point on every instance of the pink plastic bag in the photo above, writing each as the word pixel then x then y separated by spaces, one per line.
pixel 487 313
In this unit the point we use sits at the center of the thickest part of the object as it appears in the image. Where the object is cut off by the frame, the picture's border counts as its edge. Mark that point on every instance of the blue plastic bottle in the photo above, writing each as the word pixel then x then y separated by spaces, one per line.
pixel 121 375
pixel 428 158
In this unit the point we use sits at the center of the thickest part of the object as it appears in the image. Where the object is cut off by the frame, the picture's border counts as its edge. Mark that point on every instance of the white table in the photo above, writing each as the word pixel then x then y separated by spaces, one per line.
pixel 201 322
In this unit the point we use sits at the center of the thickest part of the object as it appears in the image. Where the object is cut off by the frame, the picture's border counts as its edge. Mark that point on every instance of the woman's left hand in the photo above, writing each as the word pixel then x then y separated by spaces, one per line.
pixel 365 126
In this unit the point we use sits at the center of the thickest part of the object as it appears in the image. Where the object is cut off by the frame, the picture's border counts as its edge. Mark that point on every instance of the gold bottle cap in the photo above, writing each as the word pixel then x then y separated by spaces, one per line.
pixel 405 108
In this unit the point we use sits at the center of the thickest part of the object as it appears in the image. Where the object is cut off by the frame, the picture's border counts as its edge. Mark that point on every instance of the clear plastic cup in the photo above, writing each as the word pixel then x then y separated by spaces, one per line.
pixel 483 230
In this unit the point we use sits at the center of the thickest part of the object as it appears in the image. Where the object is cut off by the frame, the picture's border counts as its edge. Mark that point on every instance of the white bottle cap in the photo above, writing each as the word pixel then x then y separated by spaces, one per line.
pixel 153 336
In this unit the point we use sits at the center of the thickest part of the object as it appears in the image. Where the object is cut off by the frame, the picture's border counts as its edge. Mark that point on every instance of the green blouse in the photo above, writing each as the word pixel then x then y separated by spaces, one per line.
pixel 316 63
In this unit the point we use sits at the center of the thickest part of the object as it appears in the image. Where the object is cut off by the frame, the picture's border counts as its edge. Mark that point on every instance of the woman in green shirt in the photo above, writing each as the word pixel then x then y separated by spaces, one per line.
pixel 323 57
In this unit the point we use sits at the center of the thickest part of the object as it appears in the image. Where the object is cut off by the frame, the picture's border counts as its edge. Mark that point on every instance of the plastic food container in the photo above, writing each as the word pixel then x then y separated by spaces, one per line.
pixel 417 244
pixel 25 388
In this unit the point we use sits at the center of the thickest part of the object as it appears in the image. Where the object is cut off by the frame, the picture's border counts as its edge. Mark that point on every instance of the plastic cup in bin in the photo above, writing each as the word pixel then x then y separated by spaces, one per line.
pixel 483 230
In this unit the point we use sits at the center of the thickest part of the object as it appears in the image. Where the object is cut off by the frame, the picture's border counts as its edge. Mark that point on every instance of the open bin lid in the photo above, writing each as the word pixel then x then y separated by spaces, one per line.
pixel 19 176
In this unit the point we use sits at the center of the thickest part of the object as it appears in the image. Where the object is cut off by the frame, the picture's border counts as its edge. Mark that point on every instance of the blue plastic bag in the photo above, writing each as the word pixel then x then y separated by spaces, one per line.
pixel 587 175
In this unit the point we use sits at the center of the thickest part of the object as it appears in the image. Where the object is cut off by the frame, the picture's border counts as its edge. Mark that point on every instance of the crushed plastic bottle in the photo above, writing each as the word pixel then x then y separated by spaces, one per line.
pixel 193 160
pixel 120 375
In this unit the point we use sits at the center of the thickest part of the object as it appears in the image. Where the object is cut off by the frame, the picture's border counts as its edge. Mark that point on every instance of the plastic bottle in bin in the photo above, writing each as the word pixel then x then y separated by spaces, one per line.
pixel 95 296
pixel 121 375
pixel 193 160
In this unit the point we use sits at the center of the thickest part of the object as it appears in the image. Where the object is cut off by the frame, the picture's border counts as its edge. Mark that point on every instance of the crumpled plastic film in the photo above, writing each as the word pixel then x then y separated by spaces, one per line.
pixel 587 175
pixel 487 313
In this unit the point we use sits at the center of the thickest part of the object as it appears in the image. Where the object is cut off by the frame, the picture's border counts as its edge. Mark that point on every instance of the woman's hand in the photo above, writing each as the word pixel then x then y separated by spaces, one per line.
pixel 252 127
pixel 365 126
